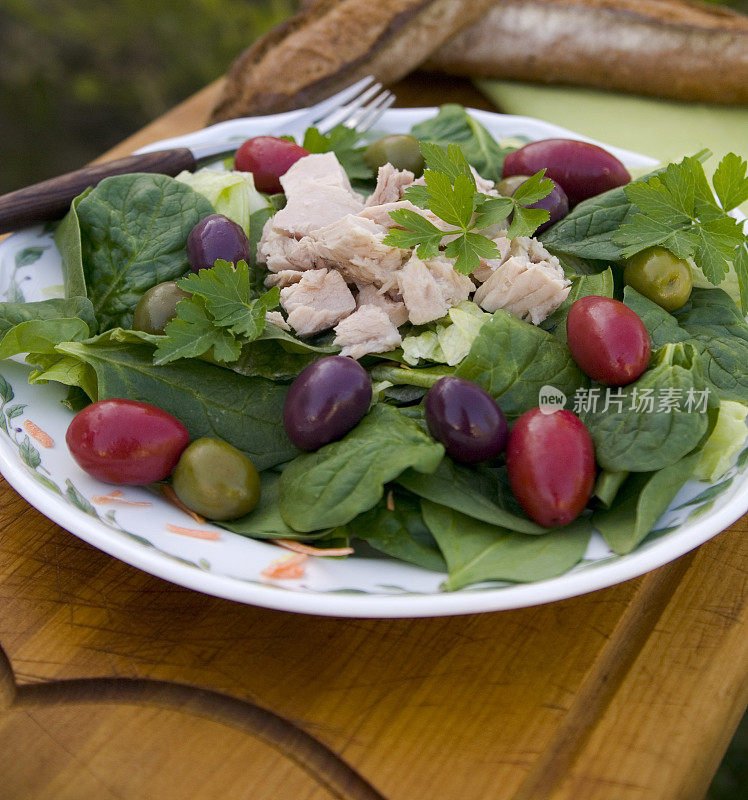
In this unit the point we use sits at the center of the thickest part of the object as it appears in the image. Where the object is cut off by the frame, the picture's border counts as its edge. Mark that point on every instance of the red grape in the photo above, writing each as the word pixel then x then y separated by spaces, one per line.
pixel 124 441
pixel 267 158
pixel 550 459
pixel 608 340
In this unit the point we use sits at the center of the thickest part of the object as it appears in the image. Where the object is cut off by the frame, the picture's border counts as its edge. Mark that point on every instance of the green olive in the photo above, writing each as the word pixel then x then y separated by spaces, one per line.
pixel 216 480
pixel 659 275
pixel 508 186
pixel 399 149
pixel 156 307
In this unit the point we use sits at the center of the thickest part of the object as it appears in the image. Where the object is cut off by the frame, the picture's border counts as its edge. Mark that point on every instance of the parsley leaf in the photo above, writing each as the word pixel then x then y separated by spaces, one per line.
pixel 419 232
pixel 677 210
pixel 526 221
pixel 453 204
pixel 451 194
pixel 228 297
pixel 192 333
pixel 221 315
pixel 730 181
pixel 535 188
pixel 342 141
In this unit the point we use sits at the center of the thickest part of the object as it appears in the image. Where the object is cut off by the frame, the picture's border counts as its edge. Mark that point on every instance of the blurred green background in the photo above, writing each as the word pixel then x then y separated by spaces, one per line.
pixel 76 78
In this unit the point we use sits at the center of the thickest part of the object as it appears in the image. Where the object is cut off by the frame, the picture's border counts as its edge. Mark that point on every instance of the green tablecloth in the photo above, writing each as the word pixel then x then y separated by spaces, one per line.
pixel 663 129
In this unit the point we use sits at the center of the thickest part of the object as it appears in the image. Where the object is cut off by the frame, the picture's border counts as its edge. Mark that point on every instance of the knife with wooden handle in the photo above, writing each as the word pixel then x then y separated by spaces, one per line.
pixel 50 199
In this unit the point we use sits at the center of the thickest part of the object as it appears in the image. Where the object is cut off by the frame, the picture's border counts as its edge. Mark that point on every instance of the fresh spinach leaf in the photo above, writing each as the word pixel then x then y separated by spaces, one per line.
pixel 654 421
pixel 265 522
pixel 68 241
pixel 277 355
pixel 588 229
pixel 267 359
pixel 400 532
pixel 423 378
pixel 607 486
pixel 453 125
pixel 208 400
pixel 475 551
pixel 714 326
pixel 663 327
pixel 12 314
pixel 134 232
pixel 469 491
pixel 66 370
pixel 342 479
pixel 530 358
pixel 41 335
pixel 641 501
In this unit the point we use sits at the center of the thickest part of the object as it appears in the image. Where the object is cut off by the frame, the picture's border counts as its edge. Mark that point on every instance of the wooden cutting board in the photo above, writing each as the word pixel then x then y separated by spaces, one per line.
pixel 116 684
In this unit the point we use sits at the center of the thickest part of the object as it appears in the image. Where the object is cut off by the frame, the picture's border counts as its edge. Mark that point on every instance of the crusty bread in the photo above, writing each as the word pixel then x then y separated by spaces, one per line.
pixel 668 48
pixel 332 43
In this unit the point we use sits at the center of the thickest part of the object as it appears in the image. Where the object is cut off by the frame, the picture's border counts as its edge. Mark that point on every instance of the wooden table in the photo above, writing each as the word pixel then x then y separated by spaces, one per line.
pixel 116 684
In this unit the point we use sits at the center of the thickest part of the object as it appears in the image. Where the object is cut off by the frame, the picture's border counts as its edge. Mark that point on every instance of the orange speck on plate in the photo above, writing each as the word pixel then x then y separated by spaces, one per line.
pixel 35 432
pixel 116 497
pixel 169 493
pixel 289 567
pixel 194 532
pixel 306 549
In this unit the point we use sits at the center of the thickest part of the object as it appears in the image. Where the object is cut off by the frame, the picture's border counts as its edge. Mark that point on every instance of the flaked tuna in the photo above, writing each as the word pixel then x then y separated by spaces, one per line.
pixel 317 193
pixel 391 183
pixel 430 287
pixel 381 214
pixel 286 277
pixel 367 330
pixel 354 246
pixel 529 290
pixel 279 251
pixel 276 318
pixel 368 294
pixel 318 301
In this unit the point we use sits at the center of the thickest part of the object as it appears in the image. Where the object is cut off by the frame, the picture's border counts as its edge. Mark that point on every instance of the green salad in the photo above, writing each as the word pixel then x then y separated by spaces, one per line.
pixel 472 278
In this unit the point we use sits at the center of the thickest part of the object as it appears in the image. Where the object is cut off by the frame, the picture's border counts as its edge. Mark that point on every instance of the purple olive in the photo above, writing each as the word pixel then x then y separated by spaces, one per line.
pixel 216 237
pixel 583 169
pixel 465 419
pixel 327 399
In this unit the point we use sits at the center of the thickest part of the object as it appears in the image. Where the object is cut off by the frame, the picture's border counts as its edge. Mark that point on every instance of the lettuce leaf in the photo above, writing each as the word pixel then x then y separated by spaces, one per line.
pixel 232 194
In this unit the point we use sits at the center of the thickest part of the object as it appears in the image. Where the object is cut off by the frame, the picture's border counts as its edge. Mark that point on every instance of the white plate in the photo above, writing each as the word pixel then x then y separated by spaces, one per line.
pixel 231 565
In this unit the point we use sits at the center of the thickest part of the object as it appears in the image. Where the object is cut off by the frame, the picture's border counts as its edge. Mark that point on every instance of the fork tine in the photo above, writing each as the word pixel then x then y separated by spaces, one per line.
pixel 368 115
pixel 343 96
pixel 345 112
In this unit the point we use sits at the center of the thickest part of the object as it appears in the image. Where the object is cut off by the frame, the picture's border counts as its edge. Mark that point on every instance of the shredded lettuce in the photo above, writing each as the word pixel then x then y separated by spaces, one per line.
pixel 232 194
pixel 725 442
pixel 449 339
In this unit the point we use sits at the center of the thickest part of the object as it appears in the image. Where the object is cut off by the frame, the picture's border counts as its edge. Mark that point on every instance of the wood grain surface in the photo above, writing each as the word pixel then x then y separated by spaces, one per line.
pixel 116 684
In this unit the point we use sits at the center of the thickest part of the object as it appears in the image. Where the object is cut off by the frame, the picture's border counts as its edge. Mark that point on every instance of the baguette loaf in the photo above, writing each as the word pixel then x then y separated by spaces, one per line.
pixel 668 48
pixel 331 43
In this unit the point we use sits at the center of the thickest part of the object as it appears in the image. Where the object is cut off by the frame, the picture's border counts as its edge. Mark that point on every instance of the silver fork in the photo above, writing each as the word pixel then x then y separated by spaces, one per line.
pixel 357 106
